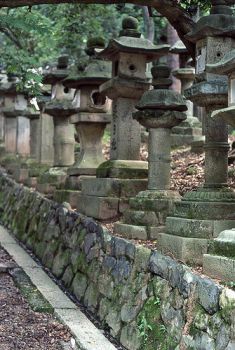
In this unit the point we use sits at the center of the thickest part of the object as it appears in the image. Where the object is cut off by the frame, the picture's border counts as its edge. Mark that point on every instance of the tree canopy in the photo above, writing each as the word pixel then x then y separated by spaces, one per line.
pixel 35 32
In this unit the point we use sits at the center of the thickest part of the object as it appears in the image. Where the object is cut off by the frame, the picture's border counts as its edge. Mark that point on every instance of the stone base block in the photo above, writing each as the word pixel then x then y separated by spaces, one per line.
pixel 219 267
pixel 131 231
pixel 81 171
pixel 205 210
pixel 51 180
pixel 107 187
pixel 178 140
pixel 101 208
pixel 142 218
pixel 75 182
pixel 207 229
pixel 186 131
pixel 123 169
pixel 138 232
pixel 185 249
pixel 67 196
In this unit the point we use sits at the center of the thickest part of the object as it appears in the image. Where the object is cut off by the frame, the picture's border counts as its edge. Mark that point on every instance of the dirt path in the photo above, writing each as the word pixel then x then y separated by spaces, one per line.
pixel 20 327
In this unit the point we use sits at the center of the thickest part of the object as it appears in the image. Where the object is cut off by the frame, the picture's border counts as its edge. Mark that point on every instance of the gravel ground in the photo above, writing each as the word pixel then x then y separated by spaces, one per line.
pixel 20 327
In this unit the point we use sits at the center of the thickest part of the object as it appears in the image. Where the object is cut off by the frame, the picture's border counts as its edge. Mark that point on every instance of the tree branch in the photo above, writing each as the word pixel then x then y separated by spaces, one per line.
pixel 11 36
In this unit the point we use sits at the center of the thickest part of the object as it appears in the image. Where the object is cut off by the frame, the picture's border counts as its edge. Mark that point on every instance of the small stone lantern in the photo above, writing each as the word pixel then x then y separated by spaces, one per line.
pixel 60 108
pixel 130 54
pixel 14 104
pixel 92 108
pixel 190 130
pixel 202 214
pixel 159 110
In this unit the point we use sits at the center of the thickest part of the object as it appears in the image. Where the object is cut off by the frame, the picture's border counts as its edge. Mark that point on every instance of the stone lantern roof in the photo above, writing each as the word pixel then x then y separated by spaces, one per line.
pixel 58 73
pixel 130 41
pixel 225 66
pixel 9 86
pixel 160 107
pixel 162 99
pixel 220 22
pixel 178 48
pixel 96 72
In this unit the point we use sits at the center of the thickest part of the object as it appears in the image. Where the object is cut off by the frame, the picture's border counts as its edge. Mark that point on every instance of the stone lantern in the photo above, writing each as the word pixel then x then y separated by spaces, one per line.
pixel 129 55
pixel 92 107
pixel 17 125
pixel 60 108
pixel 190 130
pixel 159 110
pixel 91 118
pixel 202 214
pixel 220 262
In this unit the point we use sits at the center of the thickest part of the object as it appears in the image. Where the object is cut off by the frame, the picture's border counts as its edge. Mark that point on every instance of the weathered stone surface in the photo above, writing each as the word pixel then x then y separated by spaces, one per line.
pixel 91 297
pixel 188 250
pixel 130 337
pixel 219 267
pixel 203 341
pixel 98 207
pixel 209 294
pixel 79 285
pixel 131 231
pixel 123 169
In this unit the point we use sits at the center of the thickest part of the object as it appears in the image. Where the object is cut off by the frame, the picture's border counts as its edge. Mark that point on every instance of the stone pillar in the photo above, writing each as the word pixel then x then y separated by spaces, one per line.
pixel 125 132
pixel 216 151
pixel 63 142
pixel 159 159
pixel 46 151
pixel 35 139
pixel 10 134
pixel 23 137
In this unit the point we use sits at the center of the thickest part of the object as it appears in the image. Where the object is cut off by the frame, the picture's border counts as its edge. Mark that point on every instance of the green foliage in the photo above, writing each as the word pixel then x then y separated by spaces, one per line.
pixel 190 5
pixel 152 330
pixel 230 284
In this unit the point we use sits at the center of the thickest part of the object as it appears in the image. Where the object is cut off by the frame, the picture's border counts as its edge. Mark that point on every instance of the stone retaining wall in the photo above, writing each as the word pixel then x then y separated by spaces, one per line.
pixel 147 300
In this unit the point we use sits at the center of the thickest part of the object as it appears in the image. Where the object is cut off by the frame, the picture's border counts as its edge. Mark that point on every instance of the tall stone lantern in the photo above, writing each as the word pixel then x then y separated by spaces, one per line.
pixel 91 118
pixel 129 55
pixel 190 130
pixel 60 109
pixel 220 260
pixel 17 127
pixel 92 107
pixel 159 110
pixel 202 214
